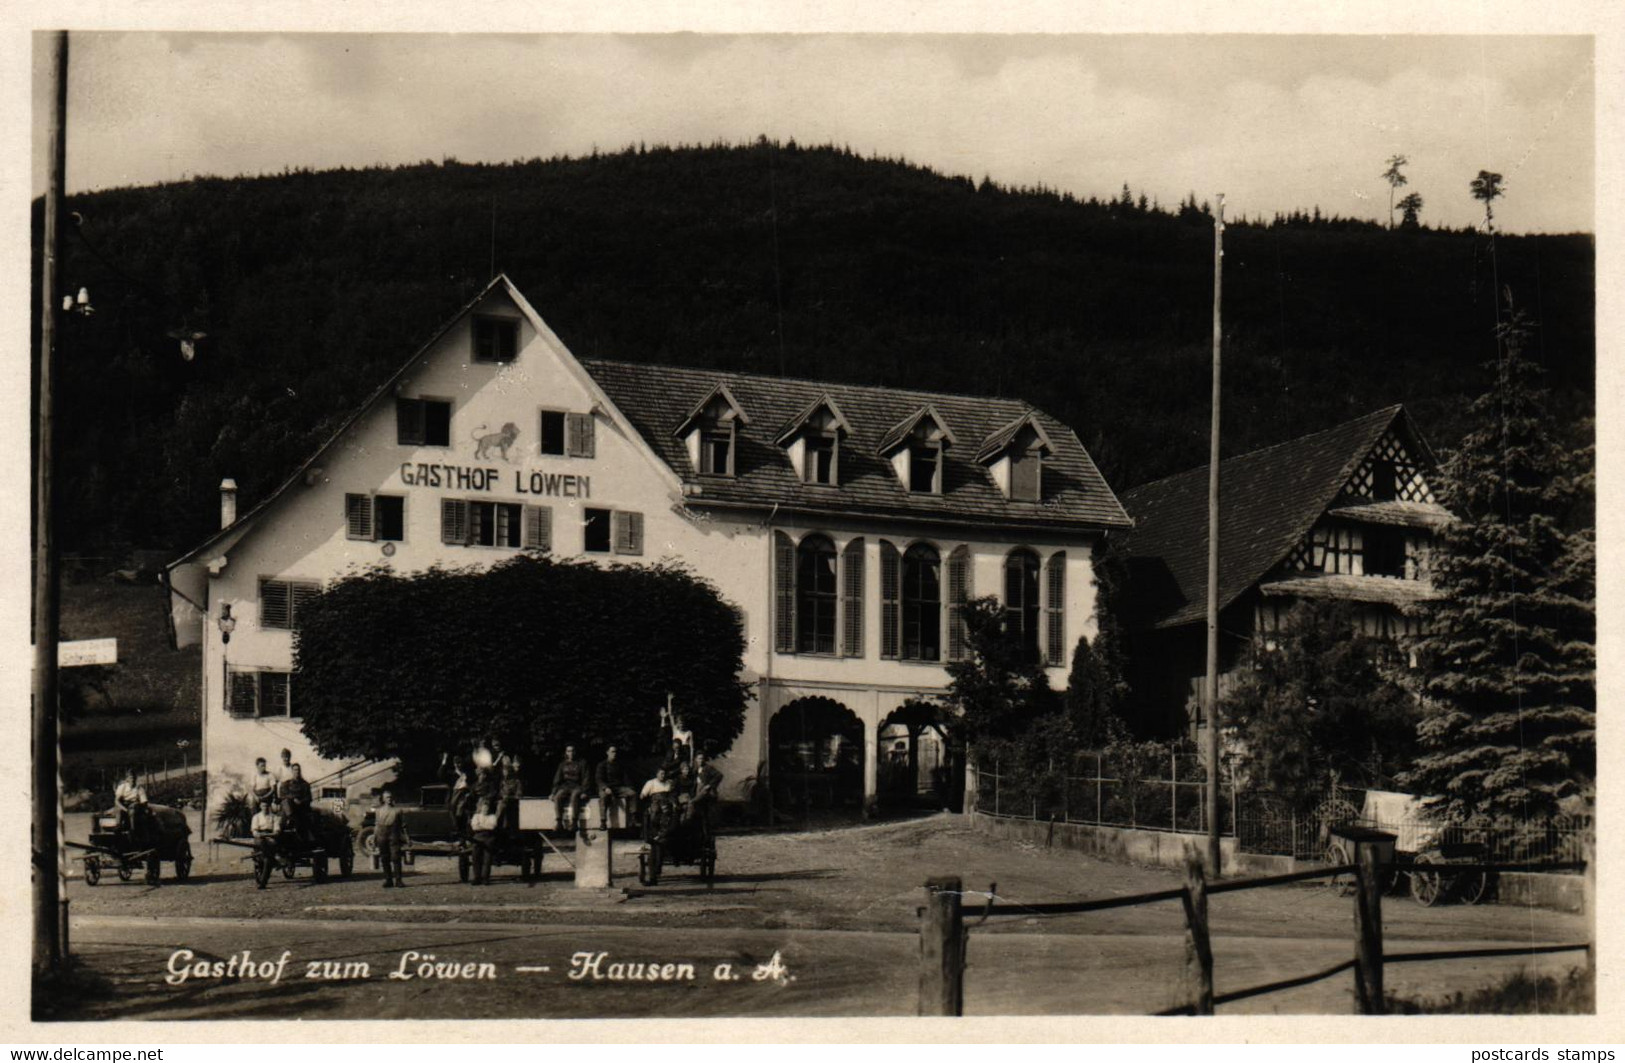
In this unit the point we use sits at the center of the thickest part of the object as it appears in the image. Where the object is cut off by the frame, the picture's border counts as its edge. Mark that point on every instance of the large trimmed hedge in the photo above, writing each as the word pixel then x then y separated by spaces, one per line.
pixel 537 651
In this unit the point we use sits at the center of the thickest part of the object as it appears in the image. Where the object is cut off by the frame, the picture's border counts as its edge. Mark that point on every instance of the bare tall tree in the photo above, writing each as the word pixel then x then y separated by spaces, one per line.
pixel 1487 187
pixel 1395 180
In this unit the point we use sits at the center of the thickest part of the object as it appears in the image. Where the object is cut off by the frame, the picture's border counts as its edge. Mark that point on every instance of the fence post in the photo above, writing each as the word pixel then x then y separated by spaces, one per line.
pixel 1173 788
pixel 1198 947
pixel 1368 931
pixel 942 949
pixel 995 788
pixel 1098 784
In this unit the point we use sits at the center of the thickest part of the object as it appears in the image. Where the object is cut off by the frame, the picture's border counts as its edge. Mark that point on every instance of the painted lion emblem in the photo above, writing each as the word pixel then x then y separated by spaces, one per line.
pixel 499 441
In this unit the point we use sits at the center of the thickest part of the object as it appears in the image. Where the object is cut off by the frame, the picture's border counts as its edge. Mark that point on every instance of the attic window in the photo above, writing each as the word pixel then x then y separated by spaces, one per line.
pixel 717 449
pixel 821 457
pixel 711 434
pixel 496 339
pixel 1026 475
pixel 925 467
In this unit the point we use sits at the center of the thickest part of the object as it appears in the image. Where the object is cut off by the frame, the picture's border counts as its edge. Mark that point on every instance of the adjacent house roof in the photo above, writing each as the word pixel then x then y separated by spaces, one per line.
pixel 657 398
pixel 1268 501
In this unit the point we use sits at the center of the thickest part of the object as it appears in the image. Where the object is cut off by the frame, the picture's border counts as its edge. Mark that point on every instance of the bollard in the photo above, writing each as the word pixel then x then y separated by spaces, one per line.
pixel 1198 946
pixel 593 852
pixel 1368 931
pixel 942 948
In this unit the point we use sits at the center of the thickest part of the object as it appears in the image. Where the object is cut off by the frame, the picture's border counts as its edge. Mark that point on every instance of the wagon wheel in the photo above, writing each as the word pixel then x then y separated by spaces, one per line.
pixel 93 870
pixel 1338 853
pixel 1472 886
pixel 262 870
pixel 463 863
pixel 347 859
pixel 1426 886
pixel 369 846
pixel 183 861
pixel 318 868
pixel 288 869
pixel 124 871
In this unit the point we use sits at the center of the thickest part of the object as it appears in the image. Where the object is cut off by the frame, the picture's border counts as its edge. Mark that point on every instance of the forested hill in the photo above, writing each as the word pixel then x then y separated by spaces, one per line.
pixel 813 262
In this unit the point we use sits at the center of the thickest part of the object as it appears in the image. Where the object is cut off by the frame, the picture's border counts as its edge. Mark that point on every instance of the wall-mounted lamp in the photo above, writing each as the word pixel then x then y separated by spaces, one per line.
pixel 226 623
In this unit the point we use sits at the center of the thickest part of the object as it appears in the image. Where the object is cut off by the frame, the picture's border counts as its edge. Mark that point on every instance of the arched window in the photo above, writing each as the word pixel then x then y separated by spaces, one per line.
pixel 1021 603
pixel 922 604
pixel 815 595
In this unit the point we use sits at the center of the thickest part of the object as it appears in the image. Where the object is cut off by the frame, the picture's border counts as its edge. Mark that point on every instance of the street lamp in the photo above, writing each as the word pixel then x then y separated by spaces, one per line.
pixel 226 623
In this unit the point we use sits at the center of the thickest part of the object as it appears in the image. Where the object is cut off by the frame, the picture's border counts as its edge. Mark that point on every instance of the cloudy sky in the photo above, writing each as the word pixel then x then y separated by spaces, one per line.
pixel 1274 122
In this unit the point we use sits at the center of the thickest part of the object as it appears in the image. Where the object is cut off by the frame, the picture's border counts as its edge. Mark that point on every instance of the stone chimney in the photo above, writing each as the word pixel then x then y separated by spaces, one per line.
pixel 228 502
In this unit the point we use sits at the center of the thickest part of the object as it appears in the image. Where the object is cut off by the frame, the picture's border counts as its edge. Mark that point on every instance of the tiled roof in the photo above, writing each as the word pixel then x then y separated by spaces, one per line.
pixel 657 398
pixel 1268 500
pixel 1401 514
pixel 1382 589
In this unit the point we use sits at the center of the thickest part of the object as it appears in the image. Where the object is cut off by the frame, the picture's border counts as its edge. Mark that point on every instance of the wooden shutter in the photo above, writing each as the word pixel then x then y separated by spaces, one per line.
pixel 891 593
pixel 628 532
pixel 958 595
pixel 275 610
pixel 454 521
pixel 538 528
pixel 784 593
pixel 852 599
pixel 579 442
pixel 298 595
pixel 409 422
pixel 243 703
pixel 358 517
pixel 1055 610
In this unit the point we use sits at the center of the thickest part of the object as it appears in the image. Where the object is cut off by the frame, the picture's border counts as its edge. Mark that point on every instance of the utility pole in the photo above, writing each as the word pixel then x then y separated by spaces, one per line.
pixel 47 891
pixel 1210 686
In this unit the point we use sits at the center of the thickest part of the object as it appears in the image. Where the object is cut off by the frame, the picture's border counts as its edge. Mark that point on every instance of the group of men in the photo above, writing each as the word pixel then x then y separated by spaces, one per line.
pixel 280 798
pixel 690 784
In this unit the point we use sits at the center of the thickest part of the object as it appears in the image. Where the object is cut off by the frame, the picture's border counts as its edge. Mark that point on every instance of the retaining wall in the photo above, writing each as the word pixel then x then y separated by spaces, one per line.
pixel 1166 849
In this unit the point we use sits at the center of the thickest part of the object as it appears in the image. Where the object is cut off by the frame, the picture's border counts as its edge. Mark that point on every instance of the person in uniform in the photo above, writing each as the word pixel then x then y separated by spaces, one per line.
pixel 569 783
pixel 390 833
pixel 611 782
pixel 262 787
pixel 484 825
pixel 294 794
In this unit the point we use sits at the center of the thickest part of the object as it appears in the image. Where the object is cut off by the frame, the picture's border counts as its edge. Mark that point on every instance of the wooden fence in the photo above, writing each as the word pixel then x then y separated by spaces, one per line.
pixel 944 935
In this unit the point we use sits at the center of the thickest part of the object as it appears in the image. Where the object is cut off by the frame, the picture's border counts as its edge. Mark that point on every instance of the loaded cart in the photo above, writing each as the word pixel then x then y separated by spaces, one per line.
pixel 1424 851
pixel 123 848
pixel 288 850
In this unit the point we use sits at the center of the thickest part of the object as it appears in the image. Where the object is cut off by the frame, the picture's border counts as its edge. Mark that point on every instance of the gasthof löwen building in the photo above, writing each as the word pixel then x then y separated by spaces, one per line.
pixel 846 524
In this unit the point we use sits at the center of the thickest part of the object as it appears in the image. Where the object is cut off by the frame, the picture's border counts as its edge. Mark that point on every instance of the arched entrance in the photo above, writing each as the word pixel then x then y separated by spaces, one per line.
pixel 920 766
pixel 815 756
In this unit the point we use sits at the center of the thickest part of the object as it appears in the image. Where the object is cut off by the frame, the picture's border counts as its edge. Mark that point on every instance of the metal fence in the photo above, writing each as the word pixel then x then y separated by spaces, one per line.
pixel 1262 822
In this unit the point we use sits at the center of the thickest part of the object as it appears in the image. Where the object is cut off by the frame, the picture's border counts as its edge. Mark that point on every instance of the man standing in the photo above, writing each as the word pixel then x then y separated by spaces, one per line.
pixel 613 785
pixel 294 793
pixel 707 785
pixel 390 834
pixel 569 782
pixel 284 770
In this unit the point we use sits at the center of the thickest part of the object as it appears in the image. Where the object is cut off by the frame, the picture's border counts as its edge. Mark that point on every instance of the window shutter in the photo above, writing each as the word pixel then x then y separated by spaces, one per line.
pixel 891 590
pixel 358 516
pixel 784 593
pixel 274 605
pixel 1055 611
pixel 298 595
pixel 580 432
pixel 454 521
pixel 243 703
pixel 852 600
pixel 409 422
pixel 628 532
pixel 538 528
pixel 958 594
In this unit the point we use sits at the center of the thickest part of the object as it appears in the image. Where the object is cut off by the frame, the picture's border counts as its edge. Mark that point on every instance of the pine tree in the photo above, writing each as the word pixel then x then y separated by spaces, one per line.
pixel 1510 657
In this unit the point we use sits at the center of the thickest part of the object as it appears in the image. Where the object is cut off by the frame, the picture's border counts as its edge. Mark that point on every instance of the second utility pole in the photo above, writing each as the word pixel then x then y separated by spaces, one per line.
pixel 1210 686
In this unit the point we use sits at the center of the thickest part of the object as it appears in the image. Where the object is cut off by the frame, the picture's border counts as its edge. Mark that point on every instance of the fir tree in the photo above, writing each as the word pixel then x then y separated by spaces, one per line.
pixel 1510 657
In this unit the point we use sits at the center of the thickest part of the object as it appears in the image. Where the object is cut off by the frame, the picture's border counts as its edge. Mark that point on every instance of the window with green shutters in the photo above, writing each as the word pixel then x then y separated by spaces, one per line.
pixel 280 600
pixel 1055 609
pixel 852 599
pixel 959 592
pixel 891 593
pixel 784 593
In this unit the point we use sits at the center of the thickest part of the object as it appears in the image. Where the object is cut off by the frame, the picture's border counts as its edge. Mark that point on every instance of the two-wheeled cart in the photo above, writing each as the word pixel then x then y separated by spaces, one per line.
pixel 118 846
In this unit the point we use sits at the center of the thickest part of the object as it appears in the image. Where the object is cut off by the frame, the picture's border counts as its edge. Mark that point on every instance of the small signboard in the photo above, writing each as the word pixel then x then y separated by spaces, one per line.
pixel 82 652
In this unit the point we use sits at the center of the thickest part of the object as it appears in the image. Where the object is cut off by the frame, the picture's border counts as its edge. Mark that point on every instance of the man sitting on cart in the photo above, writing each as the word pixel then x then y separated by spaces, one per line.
pixel 659 802
pixel 130 800
pixel 569 784
pixel 262 787
pixel 295 794
pixel 613 787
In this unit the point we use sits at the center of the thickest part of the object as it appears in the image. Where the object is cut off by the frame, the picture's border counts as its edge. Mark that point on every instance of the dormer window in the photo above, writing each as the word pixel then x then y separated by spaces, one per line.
pixel 917 447
pixel 1015 457
pixel 711 434
pixel 496 339
pixel 813 439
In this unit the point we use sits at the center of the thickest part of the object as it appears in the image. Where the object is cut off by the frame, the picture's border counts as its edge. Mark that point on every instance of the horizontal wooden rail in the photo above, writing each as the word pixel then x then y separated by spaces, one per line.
pixel 1464 954
pixel 1069 907
pixel 1260 990
pixel 1275 880
pixel 1451 868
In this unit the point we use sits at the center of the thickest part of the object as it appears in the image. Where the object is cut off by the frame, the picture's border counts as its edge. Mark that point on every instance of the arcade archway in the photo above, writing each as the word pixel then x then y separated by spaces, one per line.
pixel 815 757
pixel 919 764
